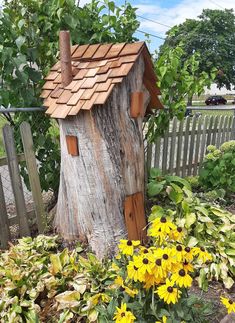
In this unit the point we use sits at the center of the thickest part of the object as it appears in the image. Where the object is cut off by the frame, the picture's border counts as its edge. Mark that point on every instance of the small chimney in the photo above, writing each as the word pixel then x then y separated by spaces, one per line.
pixel 65 58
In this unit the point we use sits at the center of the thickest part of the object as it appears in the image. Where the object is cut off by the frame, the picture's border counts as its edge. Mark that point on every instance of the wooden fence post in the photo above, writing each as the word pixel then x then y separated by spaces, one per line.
pixel 15 179
pixel 4 225
pixel 27 140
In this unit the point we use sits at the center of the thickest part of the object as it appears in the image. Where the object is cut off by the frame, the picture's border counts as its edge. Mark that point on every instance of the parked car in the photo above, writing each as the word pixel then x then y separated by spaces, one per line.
pixel 215 99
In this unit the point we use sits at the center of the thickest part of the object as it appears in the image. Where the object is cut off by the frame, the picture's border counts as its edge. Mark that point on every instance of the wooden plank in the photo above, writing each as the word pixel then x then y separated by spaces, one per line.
pixel 137 105
pixel 76 97
pixel 157 152
pixel 16 183
pixel 72 145
pixel 90 51
pixel 192 145
pixel 215 127
pixel 102 51
pixel 203 139
pixel 61 111
pixel 4 224
pixel 34 180
pixel 130 221
pixel 165 151
pixel 198 140
pixel 173 142
pixel 232 133
pixel 186 141
pixel 149 157
pixel 3 160
pixel 132 49
pixel 179 146
pixel 139 214
pixel 74 111
pixel 103 96
pixel 81 74
pixel 229 128
pixel 64 97
pixel 115 50
pixel 224 129
pixel 80 51
pixel 89 103
pixel 211 121
pixel 220 129
pixel 45 93
pixel 102 87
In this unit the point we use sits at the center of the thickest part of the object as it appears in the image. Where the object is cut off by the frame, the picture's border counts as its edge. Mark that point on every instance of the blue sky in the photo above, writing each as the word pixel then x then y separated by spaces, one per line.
pixel 170 13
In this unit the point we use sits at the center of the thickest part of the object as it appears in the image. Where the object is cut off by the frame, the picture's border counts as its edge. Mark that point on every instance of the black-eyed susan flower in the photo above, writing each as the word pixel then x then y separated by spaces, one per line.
pixel 149 280
pixel 168 292
pixel 130 291
pixel 160 228
pixel 229 304
pixel 188 267
pixel 145 263
pixel 188 256
pixel 133 272
pixel 202 254
pixel 158 270
pixel 127 246
pixel 177 235
pixel 182 278
pixel 122 315
pixel 164 320
pixel 168 259
pixel 179 253
pixel 99 297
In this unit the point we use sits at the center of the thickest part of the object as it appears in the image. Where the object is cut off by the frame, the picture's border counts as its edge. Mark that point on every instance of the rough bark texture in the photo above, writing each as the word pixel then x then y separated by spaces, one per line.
pixel 110 166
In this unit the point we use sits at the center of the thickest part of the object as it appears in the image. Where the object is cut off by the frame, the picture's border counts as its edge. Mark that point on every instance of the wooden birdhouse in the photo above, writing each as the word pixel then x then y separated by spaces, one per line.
pixel 100 94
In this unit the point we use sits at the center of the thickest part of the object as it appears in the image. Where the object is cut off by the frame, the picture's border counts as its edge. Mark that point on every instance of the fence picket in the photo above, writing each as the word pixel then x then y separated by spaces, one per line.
pixel 4 225
pixel 203 140
pixel 224 129
pixel 229 128
pixel 209 131
pixel 214 131
pixel 186 140
pixel 173 142
pixel 192 145
pixel 165 151
pixel 157 153
pixel 179 146
pixel 198 140
pixel 31 163
pixel 232 134
pixel 221 124
pixel 13 167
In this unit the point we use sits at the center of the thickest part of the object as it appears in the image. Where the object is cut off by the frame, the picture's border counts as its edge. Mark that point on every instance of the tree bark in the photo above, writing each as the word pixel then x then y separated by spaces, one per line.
pixel 110 166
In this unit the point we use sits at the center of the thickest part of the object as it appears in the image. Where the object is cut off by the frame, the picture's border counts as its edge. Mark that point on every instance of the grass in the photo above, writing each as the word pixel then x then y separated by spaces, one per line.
pixel 214 112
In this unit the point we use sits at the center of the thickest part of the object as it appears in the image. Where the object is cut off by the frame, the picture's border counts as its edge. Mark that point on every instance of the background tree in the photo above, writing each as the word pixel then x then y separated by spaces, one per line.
pixel 212 35
pixel 178 78
pixel 29 32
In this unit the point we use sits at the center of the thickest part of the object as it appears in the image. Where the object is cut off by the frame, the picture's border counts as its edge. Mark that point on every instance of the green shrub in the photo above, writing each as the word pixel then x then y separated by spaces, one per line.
pixel 218 168
pixel 208 224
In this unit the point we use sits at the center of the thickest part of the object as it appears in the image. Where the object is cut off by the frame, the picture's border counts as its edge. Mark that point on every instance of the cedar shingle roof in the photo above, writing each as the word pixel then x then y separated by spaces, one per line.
pixel 96 70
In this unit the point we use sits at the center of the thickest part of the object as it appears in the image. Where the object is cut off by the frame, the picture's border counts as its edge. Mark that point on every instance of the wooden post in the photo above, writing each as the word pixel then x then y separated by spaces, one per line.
pixel 65 58
pixel 4 225
pixel 27 140
pixel 16 183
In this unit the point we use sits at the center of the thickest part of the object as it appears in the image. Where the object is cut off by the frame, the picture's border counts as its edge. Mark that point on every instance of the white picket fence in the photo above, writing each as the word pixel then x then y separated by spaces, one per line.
pixel 183 146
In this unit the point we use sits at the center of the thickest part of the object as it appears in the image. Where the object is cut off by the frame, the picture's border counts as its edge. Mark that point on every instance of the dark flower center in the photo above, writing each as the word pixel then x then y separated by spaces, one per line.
pixel 179 248
pixel 182 272
pixel 129 243
pixel 145 261
pixel 159 230
pixel 230 302
pixel 165 256
pixel 170 289
pixel 135 268
pixel 123 314
pixel 202 249
pixel 185 263
pixel 179 229
pixel 163 219
pixel 121 289
pixel 187 249
pixel 158 262
pixel 146 251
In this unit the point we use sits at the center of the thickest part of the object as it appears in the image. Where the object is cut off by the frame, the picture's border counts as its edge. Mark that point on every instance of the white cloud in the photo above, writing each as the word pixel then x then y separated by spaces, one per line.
pixel 176 14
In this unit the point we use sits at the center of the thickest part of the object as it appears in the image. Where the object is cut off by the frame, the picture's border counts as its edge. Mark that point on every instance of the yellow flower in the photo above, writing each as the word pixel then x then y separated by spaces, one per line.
pixel 168 292
pixel 119 281
pixel 188 256
pixel 177 235
pixel 168 259
pixel 164 320
pixel 144 263
pixel 188 267
pixel 127 246
pixel 150 280
pixel 133 271
pixel 182 279
pixel 160 228
pixel 130 292
pixel 202 254
pixel 100 297
pixel 122 315
pixel 158 269
pixel 179 253
pixel 229 304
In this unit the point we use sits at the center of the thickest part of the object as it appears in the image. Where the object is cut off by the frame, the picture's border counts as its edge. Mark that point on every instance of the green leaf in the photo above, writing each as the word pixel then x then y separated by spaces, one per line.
pixel 68 299
pixel 20 41
pixel 175 193
pixel 154 188
pixel 192 242
pixel 190 219
pixel 155 172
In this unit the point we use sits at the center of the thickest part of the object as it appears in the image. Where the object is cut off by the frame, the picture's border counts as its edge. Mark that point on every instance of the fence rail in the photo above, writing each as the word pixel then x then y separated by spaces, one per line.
pixel 183 146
